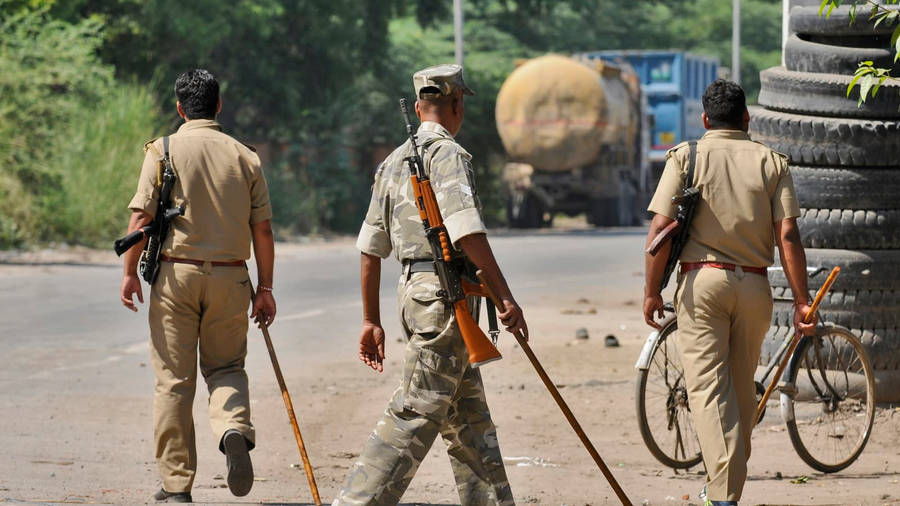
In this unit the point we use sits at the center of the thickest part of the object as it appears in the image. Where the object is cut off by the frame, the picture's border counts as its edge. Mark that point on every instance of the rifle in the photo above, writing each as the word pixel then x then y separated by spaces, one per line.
pixel 158 229
pixel 450 270
pixel 678 230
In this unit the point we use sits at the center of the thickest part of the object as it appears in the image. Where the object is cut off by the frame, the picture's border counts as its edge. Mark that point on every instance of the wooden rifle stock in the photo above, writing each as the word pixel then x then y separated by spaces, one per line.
pixel 796 340
pixel 481 349
pixel 666 234
pixel 554 392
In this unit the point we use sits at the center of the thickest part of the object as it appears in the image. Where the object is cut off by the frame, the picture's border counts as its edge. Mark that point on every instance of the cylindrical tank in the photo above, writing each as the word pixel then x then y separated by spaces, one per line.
pixel 556 113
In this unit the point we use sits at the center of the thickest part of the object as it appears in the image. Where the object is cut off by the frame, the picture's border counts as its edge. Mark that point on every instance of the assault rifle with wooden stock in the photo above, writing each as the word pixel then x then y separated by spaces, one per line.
pixel 451 271
pixel 677 231
pixel 158 229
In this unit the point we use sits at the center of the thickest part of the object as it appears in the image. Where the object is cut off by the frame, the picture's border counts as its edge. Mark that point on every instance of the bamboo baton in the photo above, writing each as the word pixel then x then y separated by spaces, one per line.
pixel 523 342
pixel 290 409
pixel 787 356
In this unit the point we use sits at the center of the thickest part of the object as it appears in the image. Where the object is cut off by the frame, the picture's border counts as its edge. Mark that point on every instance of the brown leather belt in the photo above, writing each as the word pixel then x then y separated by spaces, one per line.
pixel 691 266
pixel 232 263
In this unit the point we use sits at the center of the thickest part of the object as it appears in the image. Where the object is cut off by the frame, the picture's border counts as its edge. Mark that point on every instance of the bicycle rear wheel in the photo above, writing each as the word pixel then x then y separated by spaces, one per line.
pixel 830 409
pixel 664 416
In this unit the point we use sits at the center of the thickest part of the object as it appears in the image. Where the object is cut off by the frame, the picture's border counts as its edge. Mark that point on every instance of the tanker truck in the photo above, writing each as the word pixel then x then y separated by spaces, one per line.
pixel 577 138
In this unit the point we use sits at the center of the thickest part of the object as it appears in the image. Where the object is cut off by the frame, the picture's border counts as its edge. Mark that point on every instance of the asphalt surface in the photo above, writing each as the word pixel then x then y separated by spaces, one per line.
pixel 75 379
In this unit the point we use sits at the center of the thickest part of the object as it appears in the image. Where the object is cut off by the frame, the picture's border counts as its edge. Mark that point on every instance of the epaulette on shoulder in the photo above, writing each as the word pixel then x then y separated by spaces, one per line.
pixel 672 151
pixel 149 144
pixel 248 146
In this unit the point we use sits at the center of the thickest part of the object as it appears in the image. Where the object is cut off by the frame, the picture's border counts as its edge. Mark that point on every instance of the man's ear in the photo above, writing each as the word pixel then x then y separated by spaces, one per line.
pixel 746 120
pixel 180 110
pixel 705 119
pixel 219 107
pixel 418 110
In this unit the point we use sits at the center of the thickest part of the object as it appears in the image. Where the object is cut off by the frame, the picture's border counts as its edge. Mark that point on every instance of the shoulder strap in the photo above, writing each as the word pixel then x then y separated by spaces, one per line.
pixel 166 146
pixel 692 161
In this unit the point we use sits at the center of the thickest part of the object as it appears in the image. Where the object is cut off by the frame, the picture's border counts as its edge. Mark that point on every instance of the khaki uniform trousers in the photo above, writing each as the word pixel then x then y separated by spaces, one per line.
pixel 439 393
pixel 197 307
pixel 722 321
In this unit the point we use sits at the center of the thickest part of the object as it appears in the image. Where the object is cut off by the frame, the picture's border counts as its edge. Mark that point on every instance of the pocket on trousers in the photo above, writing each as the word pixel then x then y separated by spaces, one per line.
pixel 424 312
pixel 432 383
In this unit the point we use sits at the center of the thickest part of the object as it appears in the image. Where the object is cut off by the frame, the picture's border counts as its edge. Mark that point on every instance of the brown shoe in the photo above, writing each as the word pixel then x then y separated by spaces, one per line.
pixel 163 496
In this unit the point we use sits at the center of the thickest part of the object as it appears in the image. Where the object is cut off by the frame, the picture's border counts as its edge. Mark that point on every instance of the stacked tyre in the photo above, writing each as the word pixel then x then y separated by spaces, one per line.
pixel 845 161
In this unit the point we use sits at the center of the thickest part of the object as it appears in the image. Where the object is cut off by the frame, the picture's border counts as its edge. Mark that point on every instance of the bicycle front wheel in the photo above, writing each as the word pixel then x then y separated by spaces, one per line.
pixel 830 408
pixel 663 412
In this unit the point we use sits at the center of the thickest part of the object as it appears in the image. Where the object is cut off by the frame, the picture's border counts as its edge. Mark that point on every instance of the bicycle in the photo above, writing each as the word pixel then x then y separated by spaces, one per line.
pixel 827 396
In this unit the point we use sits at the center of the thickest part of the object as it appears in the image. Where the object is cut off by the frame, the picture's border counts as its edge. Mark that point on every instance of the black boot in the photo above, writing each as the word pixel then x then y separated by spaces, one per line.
pixel 237 458
pixel 163 496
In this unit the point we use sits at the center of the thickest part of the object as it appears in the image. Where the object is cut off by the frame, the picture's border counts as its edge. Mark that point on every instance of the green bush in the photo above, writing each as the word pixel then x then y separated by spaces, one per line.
pixel 96 164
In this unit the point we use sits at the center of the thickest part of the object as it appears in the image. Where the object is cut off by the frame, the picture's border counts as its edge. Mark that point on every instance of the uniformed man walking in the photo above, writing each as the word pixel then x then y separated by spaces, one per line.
pixel 723 300
pixel 201 296
pixel 439 392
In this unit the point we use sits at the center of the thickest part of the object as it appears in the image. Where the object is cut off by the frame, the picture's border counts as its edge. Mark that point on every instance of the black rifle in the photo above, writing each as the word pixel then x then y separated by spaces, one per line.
pixel 158 229
pixel 449 269
pixel 678 230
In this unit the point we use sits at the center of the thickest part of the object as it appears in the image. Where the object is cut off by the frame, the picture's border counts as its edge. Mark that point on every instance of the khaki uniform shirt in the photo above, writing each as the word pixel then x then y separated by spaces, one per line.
pixel 392 221
pixel 220 183
pixel 744 188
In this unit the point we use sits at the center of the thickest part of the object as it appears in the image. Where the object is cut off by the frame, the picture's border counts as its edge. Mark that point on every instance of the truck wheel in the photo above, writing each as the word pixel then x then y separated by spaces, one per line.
pixel 882 346
pixel 859 309
pixel 806 56
pixel 811 140
pixel 860 270
pixel 603 212
pixel 529 213
pixel 847 188
pixel 824 95
pixel 807 21
pixel 849 229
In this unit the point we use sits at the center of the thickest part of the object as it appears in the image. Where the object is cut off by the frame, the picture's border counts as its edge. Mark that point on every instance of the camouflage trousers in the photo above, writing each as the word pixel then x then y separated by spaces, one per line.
pixel 439 393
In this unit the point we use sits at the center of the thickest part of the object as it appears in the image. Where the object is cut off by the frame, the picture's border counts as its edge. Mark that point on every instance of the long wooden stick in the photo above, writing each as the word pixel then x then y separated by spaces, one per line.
pixel 290 411
pixel 795 341
pixel 523 342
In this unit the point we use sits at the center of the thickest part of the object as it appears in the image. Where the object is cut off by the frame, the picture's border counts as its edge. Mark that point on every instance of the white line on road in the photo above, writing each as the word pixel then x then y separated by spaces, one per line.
pixel 301 316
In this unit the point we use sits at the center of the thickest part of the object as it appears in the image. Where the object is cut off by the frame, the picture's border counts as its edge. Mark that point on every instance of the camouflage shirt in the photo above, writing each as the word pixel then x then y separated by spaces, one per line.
pixel 393 223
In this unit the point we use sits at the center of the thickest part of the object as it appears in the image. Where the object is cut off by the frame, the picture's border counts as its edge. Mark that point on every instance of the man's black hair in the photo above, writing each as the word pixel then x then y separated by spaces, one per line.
pixel 198 92
pixel 724 103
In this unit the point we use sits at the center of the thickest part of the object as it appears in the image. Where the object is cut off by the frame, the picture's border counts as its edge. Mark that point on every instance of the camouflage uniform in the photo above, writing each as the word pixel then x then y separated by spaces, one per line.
pixel 439 392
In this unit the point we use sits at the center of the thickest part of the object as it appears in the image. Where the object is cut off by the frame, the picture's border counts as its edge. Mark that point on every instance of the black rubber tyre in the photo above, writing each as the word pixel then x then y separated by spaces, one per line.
pixel 529 214
pixel 830 430
pixel 860 270
pixel 659 399
pixel 807 56
pixel 805 20
pixel 603 212
pixel 855 310
pixel 840 188
pixel 882 344
pixel 850 229
pixel 811 140
pixel 824 95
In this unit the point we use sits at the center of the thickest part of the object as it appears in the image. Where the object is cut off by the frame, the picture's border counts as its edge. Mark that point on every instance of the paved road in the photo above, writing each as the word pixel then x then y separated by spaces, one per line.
pixel 74 361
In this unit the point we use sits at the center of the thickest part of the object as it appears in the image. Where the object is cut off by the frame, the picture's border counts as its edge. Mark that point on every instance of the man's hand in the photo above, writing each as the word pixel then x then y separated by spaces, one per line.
pixel 263 309
pixel 371 346
pixel 131 285
pixel 800 310
pixel 512 318
pixel 653 306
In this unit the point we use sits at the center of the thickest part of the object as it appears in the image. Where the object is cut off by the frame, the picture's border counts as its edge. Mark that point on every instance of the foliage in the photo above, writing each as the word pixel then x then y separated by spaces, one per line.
pixel 314 83
pixel 53 85
pixel 867 76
